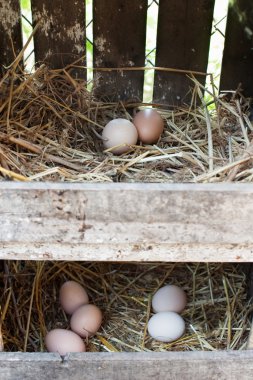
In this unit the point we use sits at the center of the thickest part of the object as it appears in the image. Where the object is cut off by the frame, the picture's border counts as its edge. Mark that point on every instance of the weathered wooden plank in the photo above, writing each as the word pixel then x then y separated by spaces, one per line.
pixel 226 365
pixel 61 38
pixel 119 31
pixel 238 51
pixel 183 40
pixel 126 222
pixel 10 31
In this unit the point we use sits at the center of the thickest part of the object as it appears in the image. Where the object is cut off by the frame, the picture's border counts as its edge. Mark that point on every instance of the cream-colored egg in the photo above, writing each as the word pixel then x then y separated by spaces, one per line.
pixel 169 298
pixel 72 296
pixel 86 320
pixel 119 133
pixel 64 341
pixel 166 326
pixel 149 125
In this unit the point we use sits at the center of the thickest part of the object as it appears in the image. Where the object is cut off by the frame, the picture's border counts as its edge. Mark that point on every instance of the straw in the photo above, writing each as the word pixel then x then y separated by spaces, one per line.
pixel 51 131
pixel 217 315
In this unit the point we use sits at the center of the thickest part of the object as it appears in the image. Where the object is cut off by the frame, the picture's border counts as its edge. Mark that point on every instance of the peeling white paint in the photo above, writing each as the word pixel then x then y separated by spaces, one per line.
pixel 100 43
pixel 76 32
pixel 130 63
pixel 9 17
pixel 46 19
pixel 248 32
pixel 98 62
pixel 49 53
pixel 79 48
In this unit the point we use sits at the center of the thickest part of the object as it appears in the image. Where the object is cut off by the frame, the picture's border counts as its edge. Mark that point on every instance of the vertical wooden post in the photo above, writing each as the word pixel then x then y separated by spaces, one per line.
pixel 10 31
pixel 61 38
pixel 119 40
pixel 183 37
pixel 237 65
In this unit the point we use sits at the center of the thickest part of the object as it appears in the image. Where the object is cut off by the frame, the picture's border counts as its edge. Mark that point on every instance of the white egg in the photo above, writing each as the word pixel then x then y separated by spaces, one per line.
pixel 169 298
pixel 166 326
pixel 119 134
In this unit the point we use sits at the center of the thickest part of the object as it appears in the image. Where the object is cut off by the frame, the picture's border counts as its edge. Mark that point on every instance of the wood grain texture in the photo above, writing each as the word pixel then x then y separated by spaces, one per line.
pixel 10 31
pixel 119 29
pixel 183 39
pixel 61 38
pixel 126 222
pixel 238 51
pixel 231 365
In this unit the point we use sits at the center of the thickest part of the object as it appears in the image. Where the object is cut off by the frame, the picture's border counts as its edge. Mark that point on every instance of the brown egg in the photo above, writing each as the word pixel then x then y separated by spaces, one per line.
pixel 63 341
pixel 86 320
pixel 72 296
pixel 149 125
pixel 119 133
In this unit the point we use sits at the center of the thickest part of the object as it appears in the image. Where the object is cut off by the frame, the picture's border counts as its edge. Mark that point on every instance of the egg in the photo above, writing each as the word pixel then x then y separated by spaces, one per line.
pixel 169 298
pixel 119 133
pixel 166 326
pixel 149 125
pixel 63 341
pixel 72 296
pixel 86 320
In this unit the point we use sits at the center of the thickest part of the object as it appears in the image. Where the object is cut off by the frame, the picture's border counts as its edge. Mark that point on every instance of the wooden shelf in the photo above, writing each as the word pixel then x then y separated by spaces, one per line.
pixel 126 222
pixel 232 365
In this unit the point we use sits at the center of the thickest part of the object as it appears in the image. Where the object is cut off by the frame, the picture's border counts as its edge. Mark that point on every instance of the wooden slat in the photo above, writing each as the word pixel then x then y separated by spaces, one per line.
pixel 61 37
pixel 126 222
pixel 119 40
pixel 238 51
pixel 183 40
pixel 10 31
pixel 220 365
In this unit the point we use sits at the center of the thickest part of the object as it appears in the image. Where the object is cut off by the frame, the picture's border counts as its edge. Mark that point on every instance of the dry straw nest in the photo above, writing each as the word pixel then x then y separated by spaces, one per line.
pixel 50 130
pixel 217 314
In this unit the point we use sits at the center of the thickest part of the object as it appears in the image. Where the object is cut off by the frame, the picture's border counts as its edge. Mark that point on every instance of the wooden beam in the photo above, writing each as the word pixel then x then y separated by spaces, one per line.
pixel 238 50
pixel 10 31
pixel 183 39
pixel 230 365
pixel 126 222
pixel 119 29
pixel 61 38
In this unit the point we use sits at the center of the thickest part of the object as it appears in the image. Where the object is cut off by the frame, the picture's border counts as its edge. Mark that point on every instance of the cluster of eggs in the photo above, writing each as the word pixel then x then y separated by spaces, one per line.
pixel 166 325
pixel 120 134
pixel 85 320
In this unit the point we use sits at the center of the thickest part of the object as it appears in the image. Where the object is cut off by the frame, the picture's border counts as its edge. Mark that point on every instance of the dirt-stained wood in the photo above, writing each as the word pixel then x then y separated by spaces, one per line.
pixel 183 38
pixel 61 37
pixel 10 31
pixel 220 365
pixel 119 28
pixel 238 51
pixel 126 222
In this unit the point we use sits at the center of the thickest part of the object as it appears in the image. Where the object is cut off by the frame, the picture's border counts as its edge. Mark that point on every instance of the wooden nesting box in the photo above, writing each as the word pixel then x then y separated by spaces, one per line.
pixel 130 222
